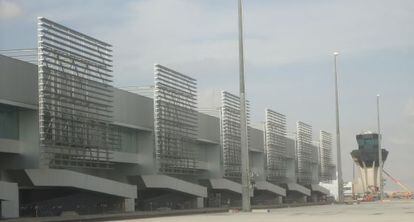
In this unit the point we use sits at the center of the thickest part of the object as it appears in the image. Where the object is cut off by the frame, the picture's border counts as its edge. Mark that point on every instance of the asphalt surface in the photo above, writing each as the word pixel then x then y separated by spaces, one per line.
pixel 401 211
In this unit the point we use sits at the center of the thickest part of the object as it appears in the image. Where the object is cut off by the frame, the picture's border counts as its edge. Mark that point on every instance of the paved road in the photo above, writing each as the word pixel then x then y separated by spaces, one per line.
pixel 399 211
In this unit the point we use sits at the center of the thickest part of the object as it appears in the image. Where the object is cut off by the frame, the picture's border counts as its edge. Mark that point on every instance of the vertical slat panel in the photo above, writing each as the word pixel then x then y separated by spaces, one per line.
pixel 327 168
pixel 276 151
pixel 75 98
pixel 231 134
pixel 304 153
pixel 175 99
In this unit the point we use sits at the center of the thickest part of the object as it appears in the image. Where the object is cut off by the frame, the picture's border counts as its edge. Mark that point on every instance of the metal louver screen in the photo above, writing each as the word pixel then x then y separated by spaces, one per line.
pixel 304 153
pixel 175 99
pixel 276 146
pixel 231 134
pixel 327 168
pixel 75 98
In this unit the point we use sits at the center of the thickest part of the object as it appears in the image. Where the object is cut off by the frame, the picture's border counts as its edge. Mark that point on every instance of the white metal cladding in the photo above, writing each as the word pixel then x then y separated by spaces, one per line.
pixel 175 104
pixel 75 98
pixel 275 143
pixel 304 153
pixel 231 134
pixel 327 168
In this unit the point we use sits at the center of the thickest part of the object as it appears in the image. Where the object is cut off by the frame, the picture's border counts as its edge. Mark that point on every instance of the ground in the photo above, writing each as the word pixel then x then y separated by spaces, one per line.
pixel 401 211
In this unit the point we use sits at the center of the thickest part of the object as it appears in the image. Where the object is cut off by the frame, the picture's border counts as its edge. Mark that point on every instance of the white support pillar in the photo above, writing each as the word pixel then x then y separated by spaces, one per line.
pixel 279 199
pixel 200 202
pixel 314 197
pixel 129 205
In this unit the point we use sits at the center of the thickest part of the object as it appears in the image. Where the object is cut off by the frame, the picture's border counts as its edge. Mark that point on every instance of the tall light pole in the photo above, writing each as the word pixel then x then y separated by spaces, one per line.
pixel 381 183
pixel 243 120
pixel 338 136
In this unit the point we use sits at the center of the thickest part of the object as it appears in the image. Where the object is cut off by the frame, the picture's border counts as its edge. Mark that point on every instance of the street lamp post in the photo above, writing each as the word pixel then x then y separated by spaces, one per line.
pixel 243 120
pixel 338 136
pixel 381 183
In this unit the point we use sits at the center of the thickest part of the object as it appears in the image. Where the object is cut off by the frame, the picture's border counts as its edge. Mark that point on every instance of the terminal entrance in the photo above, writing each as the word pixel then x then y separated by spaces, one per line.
pixel 164 199
pixel 53 202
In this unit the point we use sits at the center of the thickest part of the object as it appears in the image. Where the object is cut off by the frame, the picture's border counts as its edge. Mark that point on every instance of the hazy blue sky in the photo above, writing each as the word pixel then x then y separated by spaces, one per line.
pixel 289 62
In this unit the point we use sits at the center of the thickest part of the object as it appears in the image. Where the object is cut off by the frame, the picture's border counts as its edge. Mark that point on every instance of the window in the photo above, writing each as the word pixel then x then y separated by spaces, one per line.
pixel 9 122
pixel 129 140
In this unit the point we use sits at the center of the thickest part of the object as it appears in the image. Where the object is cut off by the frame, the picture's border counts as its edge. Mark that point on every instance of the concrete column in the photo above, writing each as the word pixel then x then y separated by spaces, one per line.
pixel 279 199
pixel 9 197
pixel 200 202
pixel 129 204
pixel 314 198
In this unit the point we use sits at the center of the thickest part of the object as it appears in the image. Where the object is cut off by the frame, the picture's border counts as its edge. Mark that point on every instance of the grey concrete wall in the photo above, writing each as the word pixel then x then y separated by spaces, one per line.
pixel 18 87
pixel 291 172
pixel 146 152
pixel 315 167
pixel 211 155
pixel 28 143
pixel 256 139
pixel 257 165
pixel 9 146
pixel 133 110
pixel 208 128
pixel 209 145
pixel 129 140
pixel 257 154
pixel 18 82
pixel 135 113
pixel 29 138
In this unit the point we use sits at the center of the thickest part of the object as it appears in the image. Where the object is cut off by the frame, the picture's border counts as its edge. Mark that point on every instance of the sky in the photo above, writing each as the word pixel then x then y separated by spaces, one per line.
pixel 289 49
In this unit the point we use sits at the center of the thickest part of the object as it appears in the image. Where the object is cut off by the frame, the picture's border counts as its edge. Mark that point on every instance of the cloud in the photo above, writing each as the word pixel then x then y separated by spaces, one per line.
pixel 9 9
pixel 199 37
pixel 187 33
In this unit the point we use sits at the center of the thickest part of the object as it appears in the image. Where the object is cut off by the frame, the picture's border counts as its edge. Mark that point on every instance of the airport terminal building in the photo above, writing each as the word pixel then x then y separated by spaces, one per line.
pixel 71 141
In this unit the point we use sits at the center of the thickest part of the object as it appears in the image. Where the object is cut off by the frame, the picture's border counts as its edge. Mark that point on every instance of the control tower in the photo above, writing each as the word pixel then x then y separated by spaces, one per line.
pixel 366 159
